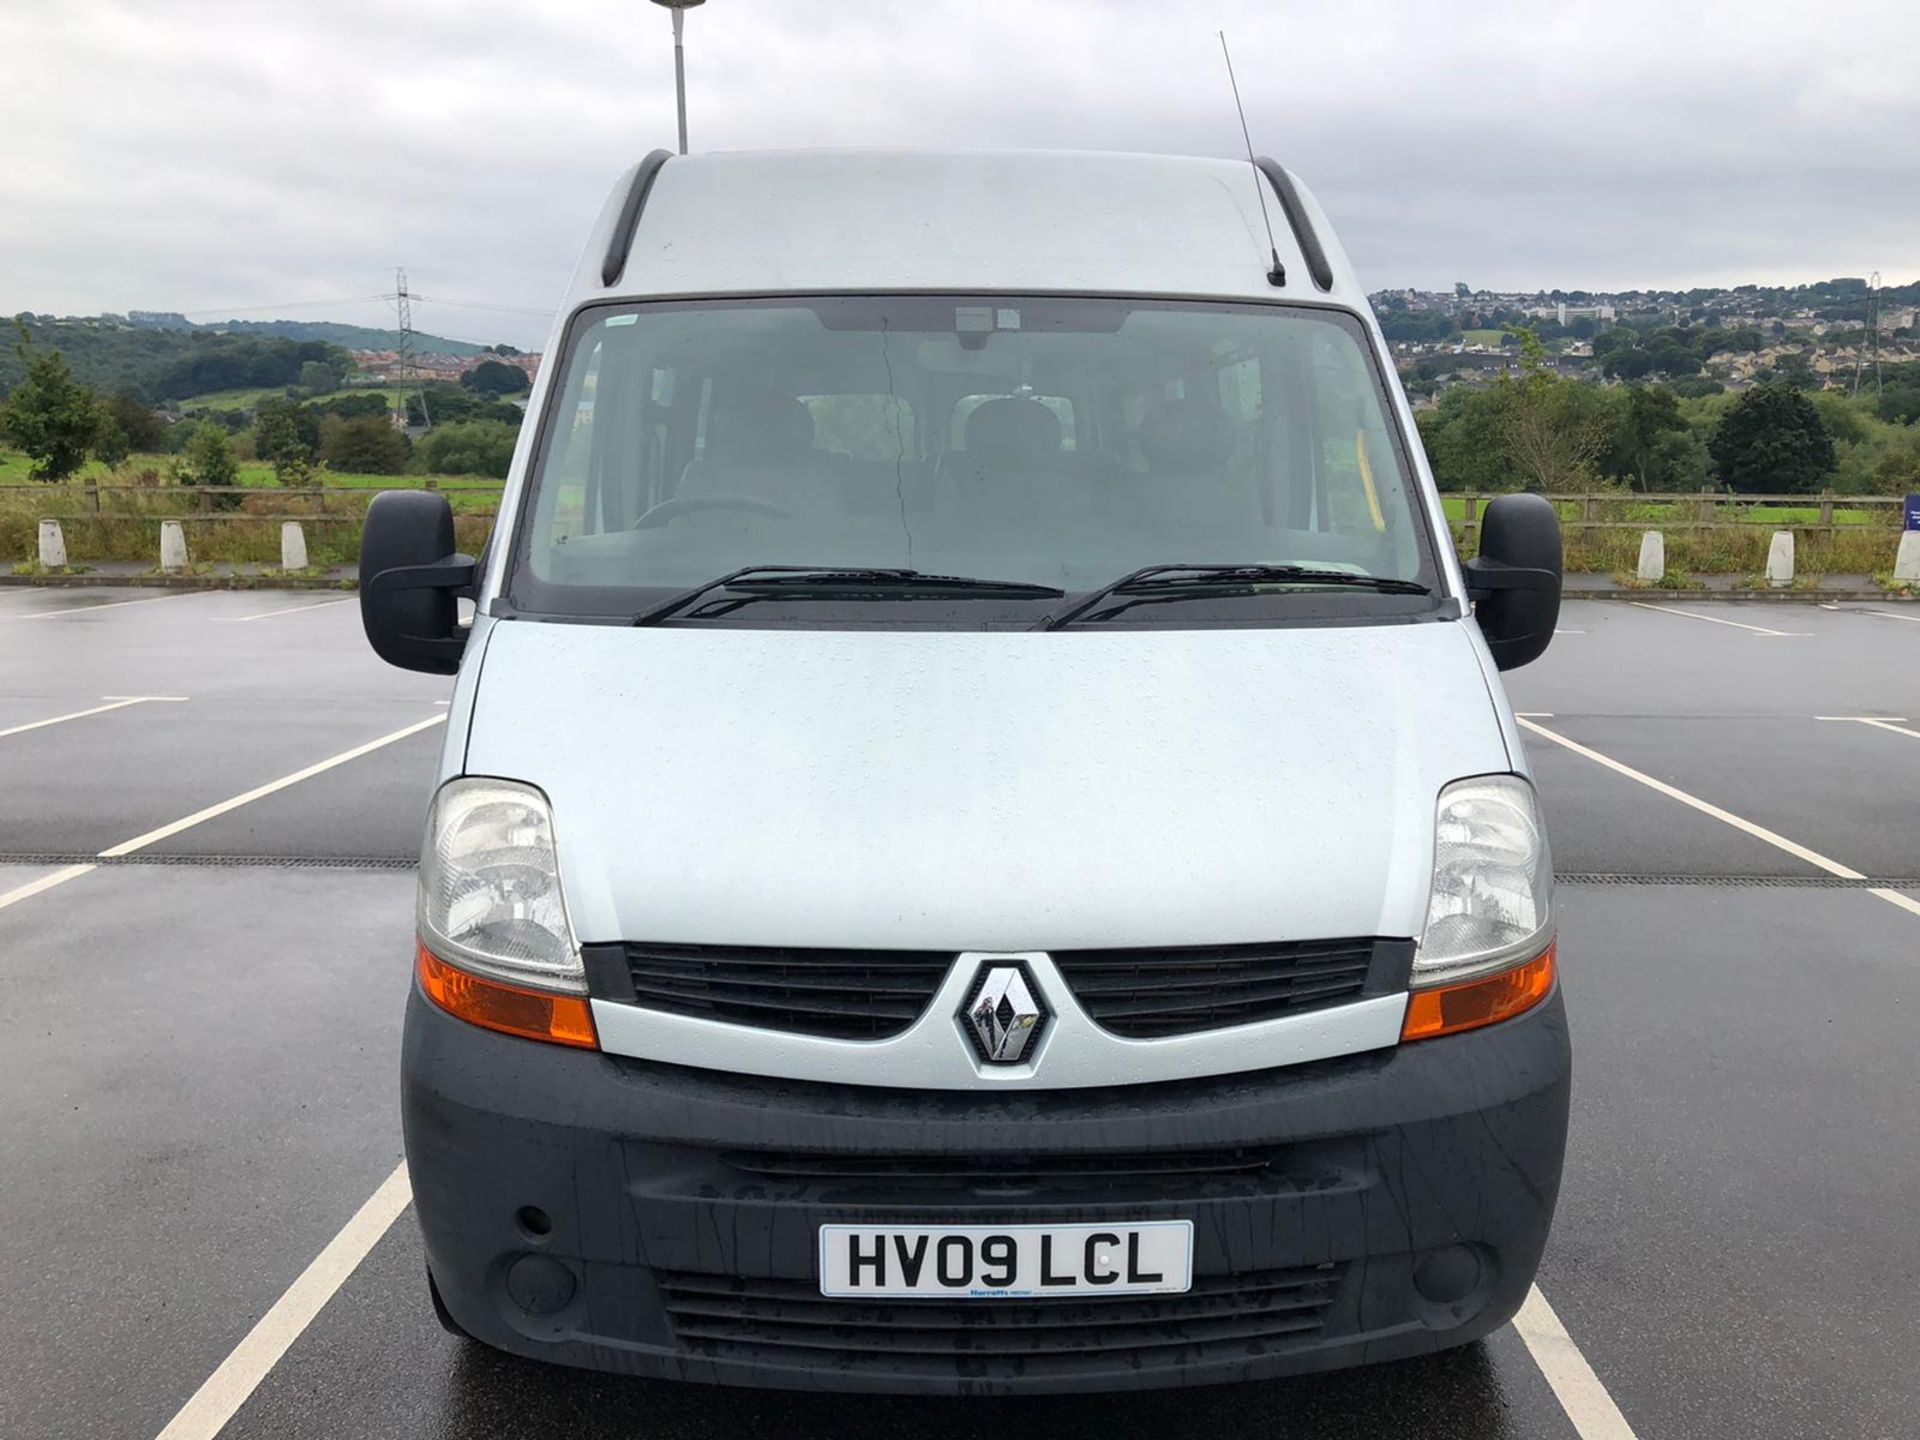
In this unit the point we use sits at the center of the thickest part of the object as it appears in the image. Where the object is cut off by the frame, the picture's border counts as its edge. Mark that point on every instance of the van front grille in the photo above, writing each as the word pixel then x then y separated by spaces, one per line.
pixel 1145 994
pixel 1136 1174
pixel 788 1322
pixel 838 994
pixel 1141 994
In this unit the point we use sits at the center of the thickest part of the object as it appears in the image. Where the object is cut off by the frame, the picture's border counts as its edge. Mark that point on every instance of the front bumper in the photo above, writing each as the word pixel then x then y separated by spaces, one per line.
pixel 661 1221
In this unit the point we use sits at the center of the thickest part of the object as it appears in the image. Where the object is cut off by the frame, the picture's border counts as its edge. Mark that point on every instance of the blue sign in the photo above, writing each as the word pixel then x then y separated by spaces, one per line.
pixel 1913 512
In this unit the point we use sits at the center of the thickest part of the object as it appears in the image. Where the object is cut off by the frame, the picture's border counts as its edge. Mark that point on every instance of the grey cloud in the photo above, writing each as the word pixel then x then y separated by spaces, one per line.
pixel 216 154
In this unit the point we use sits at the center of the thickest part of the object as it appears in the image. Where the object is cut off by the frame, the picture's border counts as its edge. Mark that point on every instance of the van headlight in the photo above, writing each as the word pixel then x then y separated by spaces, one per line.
pixel 490 896
pixel 1492 882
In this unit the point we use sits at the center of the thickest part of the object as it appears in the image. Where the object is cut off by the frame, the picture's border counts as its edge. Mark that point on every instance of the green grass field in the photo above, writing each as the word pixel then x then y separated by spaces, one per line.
pixel 1489 338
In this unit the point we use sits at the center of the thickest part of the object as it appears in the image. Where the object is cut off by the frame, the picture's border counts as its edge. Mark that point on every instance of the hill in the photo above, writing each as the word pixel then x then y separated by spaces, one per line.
pixel 350 337
pixel 156 361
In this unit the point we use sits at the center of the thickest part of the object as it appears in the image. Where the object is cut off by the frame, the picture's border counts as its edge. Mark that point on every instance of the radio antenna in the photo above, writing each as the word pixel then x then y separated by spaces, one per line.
pixel 1278 274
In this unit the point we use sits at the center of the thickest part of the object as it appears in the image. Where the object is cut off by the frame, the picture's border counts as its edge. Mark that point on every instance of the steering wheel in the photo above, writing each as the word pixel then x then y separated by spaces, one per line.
pixel 667 511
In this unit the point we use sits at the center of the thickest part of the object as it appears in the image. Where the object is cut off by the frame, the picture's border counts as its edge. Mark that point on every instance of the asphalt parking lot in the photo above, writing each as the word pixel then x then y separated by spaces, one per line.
pixel 199 1029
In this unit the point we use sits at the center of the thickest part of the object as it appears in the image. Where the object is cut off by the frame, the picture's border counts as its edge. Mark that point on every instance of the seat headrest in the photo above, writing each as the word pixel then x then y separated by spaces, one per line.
pixel 1013 433
pixel 760 427
pixel 1186 436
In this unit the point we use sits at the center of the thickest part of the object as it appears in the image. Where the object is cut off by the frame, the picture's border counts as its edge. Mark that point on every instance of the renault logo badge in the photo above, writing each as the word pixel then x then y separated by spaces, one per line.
pixel 1004 1017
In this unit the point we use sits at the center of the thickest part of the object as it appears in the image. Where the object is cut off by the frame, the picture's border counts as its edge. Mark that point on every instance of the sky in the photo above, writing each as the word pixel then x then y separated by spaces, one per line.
pixel 279 158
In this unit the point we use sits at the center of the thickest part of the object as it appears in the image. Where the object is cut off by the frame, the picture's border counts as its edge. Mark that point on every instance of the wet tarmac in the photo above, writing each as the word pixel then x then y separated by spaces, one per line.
pixel 198 1046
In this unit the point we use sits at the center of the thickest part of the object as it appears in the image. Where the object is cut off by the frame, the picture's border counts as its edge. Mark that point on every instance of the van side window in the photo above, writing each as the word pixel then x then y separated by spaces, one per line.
pixel 573 448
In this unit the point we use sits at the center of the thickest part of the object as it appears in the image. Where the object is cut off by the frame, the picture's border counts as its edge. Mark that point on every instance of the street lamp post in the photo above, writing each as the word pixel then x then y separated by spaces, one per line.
pixel 679 9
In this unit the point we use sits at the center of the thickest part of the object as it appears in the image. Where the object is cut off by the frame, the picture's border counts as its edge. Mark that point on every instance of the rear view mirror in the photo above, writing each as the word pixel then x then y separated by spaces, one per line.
pixel 1515 580
pixel 410 580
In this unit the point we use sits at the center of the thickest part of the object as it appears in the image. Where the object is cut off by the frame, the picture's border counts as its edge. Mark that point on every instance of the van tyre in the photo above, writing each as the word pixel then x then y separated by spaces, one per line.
pixel 443 1315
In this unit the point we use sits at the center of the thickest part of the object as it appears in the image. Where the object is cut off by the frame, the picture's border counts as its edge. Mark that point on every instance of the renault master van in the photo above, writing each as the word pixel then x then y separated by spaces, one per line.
pixel 980 845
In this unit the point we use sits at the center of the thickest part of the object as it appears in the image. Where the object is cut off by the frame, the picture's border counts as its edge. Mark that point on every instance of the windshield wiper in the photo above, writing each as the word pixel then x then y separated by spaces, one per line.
pixel 758 582
pixel 1183 582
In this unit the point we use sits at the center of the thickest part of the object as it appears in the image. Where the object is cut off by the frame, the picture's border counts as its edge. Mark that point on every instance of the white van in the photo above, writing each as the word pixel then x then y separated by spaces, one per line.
pixel 980 845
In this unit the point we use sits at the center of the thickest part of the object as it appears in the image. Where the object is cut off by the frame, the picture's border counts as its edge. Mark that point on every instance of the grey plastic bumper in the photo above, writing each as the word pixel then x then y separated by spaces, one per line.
pixel 570 1199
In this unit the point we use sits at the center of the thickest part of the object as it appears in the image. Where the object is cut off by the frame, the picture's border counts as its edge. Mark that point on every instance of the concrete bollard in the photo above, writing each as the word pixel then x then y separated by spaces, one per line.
pixel 53 545
pixel 1653 556
pixel 293 546
pixel 173 546
pixel 1906 560
pixel 1780 560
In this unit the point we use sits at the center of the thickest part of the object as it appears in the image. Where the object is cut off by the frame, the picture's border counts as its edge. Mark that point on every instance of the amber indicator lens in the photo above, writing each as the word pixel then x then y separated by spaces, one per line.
pixel 1449 1009
pixel 510 1009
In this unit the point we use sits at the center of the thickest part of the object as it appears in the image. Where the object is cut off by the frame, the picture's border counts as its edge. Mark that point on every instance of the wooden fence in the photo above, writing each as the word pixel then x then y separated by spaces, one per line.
pixel 332 504
pixel 347 504
pixel 1708 510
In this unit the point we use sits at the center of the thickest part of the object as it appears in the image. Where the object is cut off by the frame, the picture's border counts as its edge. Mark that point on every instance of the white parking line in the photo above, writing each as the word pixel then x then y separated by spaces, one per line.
pixel 289 610
pixel 140 842
pixel 120 704
pixel 110 605
pixel 1894 615
pixel 1716 620
pixel 240 1374
pixel 152 837
pixel 1879 722
pixel 1889 726
pixel 1759 832
pixel 45 882
pixel 1581 1395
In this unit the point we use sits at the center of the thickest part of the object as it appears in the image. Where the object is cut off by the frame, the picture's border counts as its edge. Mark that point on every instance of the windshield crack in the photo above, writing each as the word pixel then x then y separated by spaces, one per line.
pixel 899 441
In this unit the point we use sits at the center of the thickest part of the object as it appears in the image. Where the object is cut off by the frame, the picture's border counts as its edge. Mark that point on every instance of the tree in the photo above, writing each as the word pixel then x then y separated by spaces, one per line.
pixel 469 447
pixel 1796 370
pixel 207 459
pixel 50 415
pixel 1551 426
pixel 1643 416
pixel 491 377
pixel 286 435
pixel 450 402
pixel 145 429
pixel 364 446
pixel 1772 440
pixel 317 377
pixel 110 443
pixel 1692 387
pixel 350 406
pixel 1464 440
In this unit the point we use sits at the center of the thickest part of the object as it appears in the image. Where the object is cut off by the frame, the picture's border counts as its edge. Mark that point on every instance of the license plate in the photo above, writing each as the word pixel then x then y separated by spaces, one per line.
pixel 990 1262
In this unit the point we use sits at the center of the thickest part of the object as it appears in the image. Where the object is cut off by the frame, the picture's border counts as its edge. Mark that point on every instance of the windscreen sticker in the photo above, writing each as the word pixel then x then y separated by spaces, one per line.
pixel 972 319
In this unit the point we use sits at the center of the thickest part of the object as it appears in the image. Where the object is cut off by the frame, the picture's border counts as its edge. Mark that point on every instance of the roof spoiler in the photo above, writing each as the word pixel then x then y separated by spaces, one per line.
pixel 615 264
pixel 1296 212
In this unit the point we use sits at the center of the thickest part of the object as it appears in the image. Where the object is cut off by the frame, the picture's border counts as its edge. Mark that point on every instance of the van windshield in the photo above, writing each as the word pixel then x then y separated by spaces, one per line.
pixel 1053 444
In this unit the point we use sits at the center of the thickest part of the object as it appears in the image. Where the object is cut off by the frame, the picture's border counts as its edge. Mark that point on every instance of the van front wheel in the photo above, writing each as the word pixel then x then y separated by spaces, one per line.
pixel 443 1315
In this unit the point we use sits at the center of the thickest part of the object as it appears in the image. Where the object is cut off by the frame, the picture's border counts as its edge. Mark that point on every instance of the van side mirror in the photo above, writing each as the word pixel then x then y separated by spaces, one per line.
pixel 1515 579
pixel 410 579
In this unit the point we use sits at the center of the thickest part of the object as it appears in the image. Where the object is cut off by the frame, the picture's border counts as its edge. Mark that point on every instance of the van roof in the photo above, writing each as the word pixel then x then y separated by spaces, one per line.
pixel 991 220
